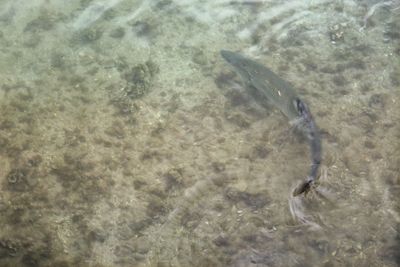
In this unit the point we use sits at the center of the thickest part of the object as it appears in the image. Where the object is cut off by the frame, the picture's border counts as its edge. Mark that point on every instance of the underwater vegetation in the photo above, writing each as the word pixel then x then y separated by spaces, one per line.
pixel 34 161
pixel 88 35
pixel 138 79
pixel 117 33
pixel 137 82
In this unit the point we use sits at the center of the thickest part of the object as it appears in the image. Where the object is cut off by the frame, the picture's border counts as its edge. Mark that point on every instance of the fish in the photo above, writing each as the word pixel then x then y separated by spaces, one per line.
pixel 284 97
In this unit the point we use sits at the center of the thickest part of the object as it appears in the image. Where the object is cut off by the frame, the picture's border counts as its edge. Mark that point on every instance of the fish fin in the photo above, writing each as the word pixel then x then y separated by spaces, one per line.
pixel 304 187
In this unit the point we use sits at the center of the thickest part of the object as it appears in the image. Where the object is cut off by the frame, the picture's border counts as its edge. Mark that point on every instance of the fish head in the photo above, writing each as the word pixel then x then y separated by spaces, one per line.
pixel 240 64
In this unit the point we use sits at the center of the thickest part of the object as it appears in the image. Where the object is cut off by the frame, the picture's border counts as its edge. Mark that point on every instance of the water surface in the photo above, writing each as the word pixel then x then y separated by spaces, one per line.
pixel 126 140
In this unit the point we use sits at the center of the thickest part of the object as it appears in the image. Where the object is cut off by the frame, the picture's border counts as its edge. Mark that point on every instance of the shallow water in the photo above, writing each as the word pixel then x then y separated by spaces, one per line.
pixel 126 140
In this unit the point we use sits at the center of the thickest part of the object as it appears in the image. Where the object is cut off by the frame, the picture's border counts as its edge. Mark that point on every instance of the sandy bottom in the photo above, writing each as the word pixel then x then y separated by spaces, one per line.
pixel 126 140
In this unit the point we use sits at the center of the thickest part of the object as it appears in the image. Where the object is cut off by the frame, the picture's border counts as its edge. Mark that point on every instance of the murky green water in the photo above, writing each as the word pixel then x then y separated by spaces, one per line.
pixel 126 140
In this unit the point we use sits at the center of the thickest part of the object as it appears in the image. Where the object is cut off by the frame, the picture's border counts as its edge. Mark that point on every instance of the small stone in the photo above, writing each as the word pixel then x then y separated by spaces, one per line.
pixel 117 33
pixel 221 241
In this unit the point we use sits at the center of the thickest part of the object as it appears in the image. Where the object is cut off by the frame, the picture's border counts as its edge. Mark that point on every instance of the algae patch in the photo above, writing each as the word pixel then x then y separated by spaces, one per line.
pixel 136 82
pixel 87 35
pixel 139 78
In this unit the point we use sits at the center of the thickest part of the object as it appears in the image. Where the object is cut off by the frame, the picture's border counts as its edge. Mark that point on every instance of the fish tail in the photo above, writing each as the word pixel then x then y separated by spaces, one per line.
pixel 304 187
